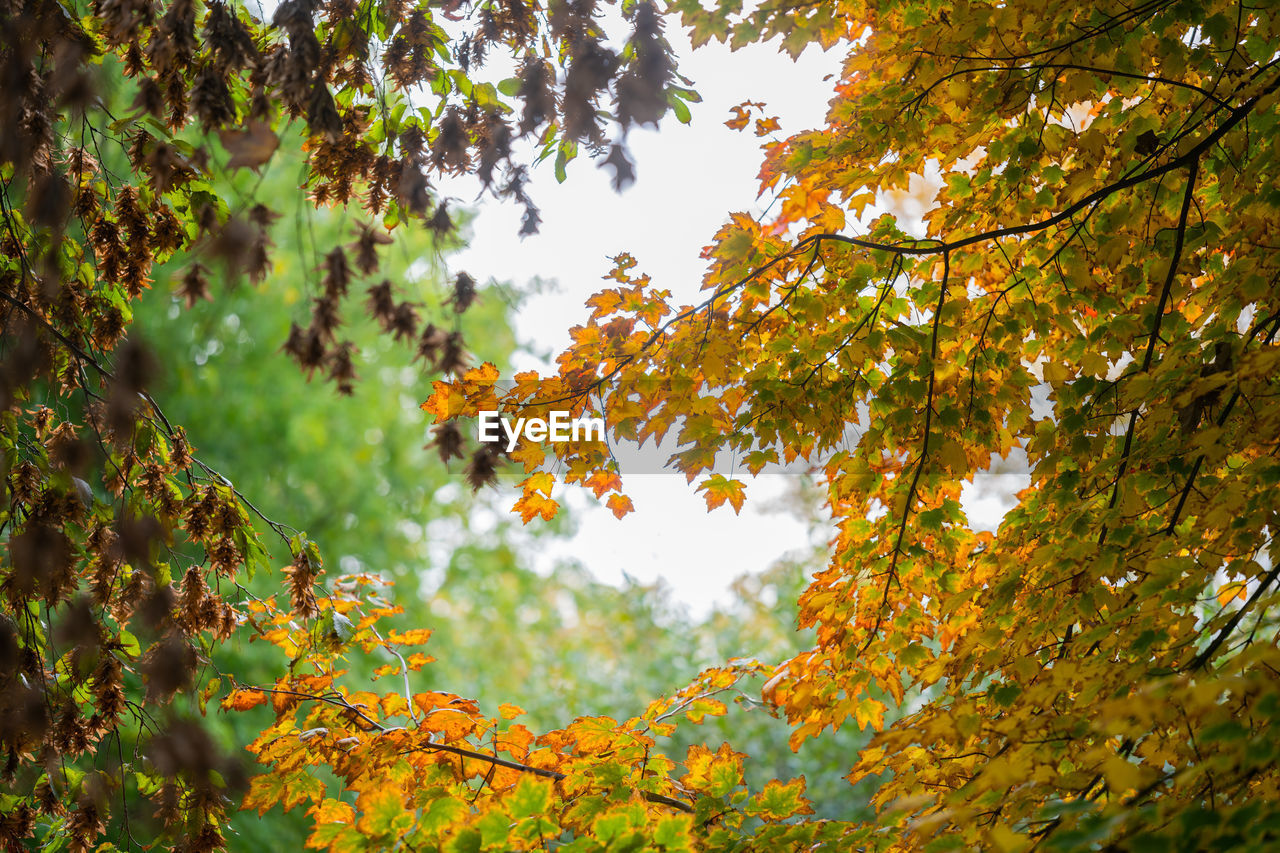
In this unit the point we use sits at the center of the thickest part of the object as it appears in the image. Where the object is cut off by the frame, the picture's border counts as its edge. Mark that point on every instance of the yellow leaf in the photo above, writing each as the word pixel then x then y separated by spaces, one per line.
pixel 1006 840
pixel 534 504
pixel 1121 775
pixel 1231 591
pixel 542 481
pixel 412 637
pixel 952 456
pixel 1055 372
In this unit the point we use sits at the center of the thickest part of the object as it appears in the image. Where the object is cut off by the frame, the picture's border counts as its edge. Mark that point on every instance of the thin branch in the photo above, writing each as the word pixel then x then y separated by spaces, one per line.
pixel 339 701
pixel 1195 469
pixel 924 452
pixel 923 247
pixel 1154 334
pixel 1199 661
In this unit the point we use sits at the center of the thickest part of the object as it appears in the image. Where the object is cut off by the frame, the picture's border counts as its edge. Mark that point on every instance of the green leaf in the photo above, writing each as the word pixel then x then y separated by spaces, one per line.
pixel 129 643
pixel 531 797
pixel 779 801
pixel 680 108
pixel 468 840
pixel 442 813
pixel 673 833
pixel 494 828
pixel 562 160
pixel 338 837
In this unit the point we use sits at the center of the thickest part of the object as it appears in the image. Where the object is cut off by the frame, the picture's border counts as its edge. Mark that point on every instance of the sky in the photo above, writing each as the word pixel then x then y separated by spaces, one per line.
pixel 689 178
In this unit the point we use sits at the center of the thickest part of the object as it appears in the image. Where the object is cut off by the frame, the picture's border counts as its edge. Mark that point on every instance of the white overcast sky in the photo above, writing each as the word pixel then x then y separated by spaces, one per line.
pixel 689 178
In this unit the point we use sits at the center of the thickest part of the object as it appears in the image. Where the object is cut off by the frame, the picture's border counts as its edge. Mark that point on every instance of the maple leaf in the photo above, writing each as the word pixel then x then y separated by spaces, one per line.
pixel 719 489
pixel 620 505
pixel 1076 276
pixel 779 801
pixel 766 126
pixel 243 700
pixel 603 481
pixel 445 401
pixel 532 504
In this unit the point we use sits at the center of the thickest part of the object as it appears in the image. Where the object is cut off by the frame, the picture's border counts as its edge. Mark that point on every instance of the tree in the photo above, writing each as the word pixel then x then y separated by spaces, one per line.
pixel 1100 672
pixel 126 558
pixel 318 460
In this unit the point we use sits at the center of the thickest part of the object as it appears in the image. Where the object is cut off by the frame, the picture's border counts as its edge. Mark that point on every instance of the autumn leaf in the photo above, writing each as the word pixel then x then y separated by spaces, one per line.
pixel 779 801
pixel 412 637
pixel 719 489
pixel 1231 592
pixel 445 401
pixel 766 126
pixel 533 504
pixel 620 505
pixel 243 700
pixel 742 114
pixel 1026 243
pixel 603 481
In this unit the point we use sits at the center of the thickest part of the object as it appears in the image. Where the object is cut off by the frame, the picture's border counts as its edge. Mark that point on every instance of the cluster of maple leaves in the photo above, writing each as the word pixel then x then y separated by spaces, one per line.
pixel 124 555
pixel 1091 289
pixel 1094 287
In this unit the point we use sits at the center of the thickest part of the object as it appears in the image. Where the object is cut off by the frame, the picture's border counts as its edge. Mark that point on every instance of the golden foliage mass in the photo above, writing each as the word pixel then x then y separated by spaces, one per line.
pixel 1093 288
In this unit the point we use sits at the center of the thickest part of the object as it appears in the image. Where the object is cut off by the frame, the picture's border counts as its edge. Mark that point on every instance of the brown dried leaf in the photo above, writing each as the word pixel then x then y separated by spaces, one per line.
pixel 250 147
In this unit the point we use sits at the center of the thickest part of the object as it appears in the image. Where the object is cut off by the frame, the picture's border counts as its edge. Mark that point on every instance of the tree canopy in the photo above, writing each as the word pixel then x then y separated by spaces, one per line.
pixel 1093 287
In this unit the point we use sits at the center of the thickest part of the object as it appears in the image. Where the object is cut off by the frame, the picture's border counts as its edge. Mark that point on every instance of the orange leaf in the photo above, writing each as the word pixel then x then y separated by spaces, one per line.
pixel 534 504
pixel 412 637
pixel 765 126
pixel 720 489
pixel 620 505
pixel 385 669
pixel 243 700
pixel 740 118
pixel 603 481
pixel 418 660
pixel 445 402
pixel 1230 592
pixel 742 114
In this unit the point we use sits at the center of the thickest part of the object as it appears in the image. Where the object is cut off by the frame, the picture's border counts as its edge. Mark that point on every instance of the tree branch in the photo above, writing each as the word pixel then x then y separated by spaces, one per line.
pixel 924 452
pixel 339 701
